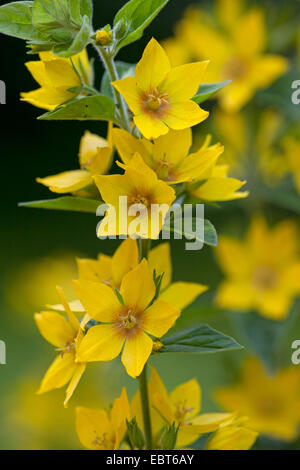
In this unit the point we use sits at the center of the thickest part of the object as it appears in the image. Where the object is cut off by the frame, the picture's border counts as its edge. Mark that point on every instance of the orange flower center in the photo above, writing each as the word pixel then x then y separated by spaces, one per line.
pixel 139 199
pixel 128 320
pixel 264 278
pixel 182 410
pixel 235 69
pixel 155 100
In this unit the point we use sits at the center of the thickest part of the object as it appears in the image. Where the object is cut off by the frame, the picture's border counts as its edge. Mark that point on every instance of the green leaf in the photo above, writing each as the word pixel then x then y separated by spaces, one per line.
pixel 124 70
pixel 200 339
pixel 91 108
pixel 66 203
pixel 16 21
pixel 135 16
pixel 53 18
pixel 206 90
pixel 210 235
pixel 79 42
pixel 79 9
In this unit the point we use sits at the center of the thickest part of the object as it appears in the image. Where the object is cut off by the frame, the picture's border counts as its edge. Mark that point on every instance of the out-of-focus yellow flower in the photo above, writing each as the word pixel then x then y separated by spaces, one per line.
pixel 144 192
pixel 237 51
pixel 214 185
pixel 160 96
pixel 102 430
pixel 111 270
pixel 66 336
pixel 262 270
pixel 127 319
pixel 168 155
pixel 95 158
pixel 291 152
pixel 56 76
pixel 232 434
pixel 182 407
pixel 272 403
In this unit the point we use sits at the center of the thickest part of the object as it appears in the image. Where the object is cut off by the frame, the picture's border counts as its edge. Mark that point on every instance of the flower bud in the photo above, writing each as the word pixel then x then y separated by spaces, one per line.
pixel 169 437
pixel 103 37
pixel 136 436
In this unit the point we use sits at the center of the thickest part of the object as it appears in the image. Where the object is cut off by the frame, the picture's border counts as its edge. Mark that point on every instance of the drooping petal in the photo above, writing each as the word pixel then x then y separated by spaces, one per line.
pixel 38 71
pixel 94 429
pixel 160 260
pixel 59 373
pixel 153 67
pixel 136 352
pixel 54 328
pixel 78 373
pixel 183 115
pixel 61 74
pixel 221 189
pixel 182 82
pixel 98 299
pixel 125 258
pixel 181 294
pixel 72 318
pixel 159 318
pixel 67 182
pixel 101 343
pixel 46 98
pixel 138 288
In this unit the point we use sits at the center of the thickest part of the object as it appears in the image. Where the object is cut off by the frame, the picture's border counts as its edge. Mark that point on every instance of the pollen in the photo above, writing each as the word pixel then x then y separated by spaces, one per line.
pixel 156 100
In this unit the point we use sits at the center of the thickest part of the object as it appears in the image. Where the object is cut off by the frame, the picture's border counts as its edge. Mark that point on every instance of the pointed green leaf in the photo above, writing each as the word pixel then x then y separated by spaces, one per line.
pixel 91 108
pixel 206 90
pixel 135 16
pixel 200 339
pixel 16 21
pixel 66 203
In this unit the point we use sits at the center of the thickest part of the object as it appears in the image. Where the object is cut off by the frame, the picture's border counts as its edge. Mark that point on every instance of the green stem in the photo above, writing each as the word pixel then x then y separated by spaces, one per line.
pixel 146 408
pixel 144 248
pixel 110 66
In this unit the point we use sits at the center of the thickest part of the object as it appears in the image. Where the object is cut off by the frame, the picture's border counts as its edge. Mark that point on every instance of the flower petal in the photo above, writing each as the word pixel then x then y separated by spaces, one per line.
pixel 138 288
pixel 151 126
pixel 181 294
pixel 183 115
pixel 130 92
pixel 136 352
pixel 98 299
pixel 119 413
pixel 101 343
pixel 59 373
pixel 182 83
pixel 125 258
pixel 80 368
pixel 127 145
pixel 160 260
pixel 153 67
pixel 93 424
pixel 159 318
pixel 54 328
pixel 95 270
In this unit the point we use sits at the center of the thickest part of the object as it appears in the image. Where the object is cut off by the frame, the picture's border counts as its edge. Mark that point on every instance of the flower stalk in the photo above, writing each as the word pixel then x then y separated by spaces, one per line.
pixel 146 408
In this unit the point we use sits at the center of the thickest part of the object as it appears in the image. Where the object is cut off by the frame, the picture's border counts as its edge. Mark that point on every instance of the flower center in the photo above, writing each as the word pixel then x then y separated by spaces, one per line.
pixel 235 69
pixel 128 320
pixel 66 348
pixel 182 410
pixel 155 100
pixel 264 278
pixel 269 406
pixel 139 199
pixel 103 442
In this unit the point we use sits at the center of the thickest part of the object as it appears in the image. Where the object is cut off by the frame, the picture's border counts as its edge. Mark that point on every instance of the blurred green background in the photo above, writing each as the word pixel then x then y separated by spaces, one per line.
pixel 39 249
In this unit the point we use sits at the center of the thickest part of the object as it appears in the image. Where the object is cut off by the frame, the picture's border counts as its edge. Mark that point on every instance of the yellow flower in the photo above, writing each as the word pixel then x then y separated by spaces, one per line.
pixel 66 336
pixel 272 403
pixel 140 186
pixel 214 185
pixel 56 76
pixel 291 152
pixel 160 96
pixel 95 158
pixel 101 429
pixel 126 322
pixel 168 155
pixel 237 50
pixel 182 407
pixel 232 434
pixel 103 37
pixel 111 270
pixel 262 271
